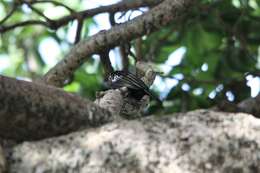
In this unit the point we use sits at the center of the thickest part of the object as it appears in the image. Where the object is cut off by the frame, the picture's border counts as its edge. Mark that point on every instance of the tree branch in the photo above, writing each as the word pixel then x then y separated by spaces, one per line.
pixel 54 3
pixel 161 15
pixel 124 50
pixel 198 141
pixel 21 24
pixel 55 24
pixel 30 111
pixel 138 49
pixel 122 47
pixel 38 12
pixel 79 30
pixel 250 105
pixel 10 13
pixel 104 58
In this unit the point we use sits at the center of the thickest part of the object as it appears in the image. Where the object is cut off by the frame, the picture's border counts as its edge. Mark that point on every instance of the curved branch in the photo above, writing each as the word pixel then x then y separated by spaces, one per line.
pixel 161 15
pixel 21 24
pixel 11 12
pixel 55 3
pixel 38 12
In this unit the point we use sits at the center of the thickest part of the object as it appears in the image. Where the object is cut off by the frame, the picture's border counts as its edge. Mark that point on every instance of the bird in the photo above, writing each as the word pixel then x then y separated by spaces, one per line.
pixel 136 87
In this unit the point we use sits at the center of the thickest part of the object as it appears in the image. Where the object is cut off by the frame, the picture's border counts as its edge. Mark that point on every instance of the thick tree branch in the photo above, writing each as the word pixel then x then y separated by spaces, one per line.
pixel 55 24
pixel 250 105
pixel 161 15
pixel 31 111
pixel 198 141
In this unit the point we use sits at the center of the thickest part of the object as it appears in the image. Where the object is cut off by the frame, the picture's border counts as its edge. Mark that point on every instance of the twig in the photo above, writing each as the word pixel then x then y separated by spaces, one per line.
pixel 122 47
pixel 55 3
pixel 55 24
pixel 112 19
pixel 24 23
pixel 9 14
pixel 38 12
pixel 104 57
pixel 138 49
pixel 78 32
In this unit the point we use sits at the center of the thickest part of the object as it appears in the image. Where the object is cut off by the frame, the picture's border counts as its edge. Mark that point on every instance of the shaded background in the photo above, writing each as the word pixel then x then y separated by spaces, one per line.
pixel 211 57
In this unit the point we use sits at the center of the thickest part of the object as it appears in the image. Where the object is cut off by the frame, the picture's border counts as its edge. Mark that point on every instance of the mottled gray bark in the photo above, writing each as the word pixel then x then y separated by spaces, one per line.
pixel 195 142
pixel 250 105
pixel 161 15
pixel 31 111
pixel 2 161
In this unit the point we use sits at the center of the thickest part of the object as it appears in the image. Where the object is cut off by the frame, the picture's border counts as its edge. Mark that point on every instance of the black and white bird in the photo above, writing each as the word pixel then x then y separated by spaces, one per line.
pixel 136 87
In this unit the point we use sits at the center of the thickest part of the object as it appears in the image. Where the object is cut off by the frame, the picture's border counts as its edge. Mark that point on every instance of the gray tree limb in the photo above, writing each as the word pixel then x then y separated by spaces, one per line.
pixel 198 141
pixel 249 105
pixel 30 111
pixel 2 161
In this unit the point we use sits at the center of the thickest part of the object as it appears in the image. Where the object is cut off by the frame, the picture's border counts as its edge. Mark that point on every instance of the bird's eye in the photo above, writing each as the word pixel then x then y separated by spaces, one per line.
pixel 114 78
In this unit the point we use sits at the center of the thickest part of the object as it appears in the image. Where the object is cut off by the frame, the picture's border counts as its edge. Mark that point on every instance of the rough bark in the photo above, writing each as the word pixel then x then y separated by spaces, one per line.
pixel 2 161
pixel 199 141
pixel 250 105
pixel 161 15
pixel 30 111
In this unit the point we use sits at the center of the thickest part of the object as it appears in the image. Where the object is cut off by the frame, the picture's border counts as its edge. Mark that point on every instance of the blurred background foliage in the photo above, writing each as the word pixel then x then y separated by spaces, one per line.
pixel 213 56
